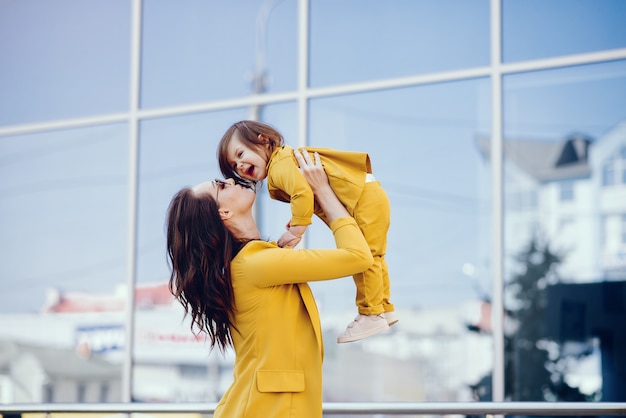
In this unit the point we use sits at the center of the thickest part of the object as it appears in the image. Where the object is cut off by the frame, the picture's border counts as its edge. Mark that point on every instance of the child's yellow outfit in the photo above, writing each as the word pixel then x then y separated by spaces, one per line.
pixel 350 176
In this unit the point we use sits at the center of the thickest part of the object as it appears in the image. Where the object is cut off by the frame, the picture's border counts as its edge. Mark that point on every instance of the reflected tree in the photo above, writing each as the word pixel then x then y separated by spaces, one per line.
pixel 535 364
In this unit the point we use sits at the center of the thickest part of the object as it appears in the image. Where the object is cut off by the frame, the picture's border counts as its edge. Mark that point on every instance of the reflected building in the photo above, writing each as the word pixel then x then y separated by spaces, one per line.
pixel 76 352
pixel 37 373
pixel 572 194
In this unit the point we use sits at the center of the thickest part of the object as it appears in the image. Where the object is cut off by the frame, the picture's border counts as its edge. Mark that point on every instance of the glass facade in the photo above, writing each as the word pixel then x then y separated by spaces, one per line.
pixel 355 41
pixel 553 239
pixel 496 127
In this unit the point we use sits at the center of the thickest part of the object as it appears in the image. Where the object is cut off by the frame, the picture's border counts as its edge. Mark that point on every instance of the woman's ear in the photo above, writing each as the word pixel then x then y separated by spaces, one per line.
pixel 263 139
pixel 225 214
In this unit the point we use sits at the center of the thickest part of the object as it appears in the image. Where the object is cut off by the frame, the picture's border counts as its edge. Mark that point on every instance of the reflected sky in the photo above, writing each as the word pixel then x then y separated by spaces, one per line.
pixel 63 195
pixel 534 29
pixel 552 104
pixel 358 40
pixel 196 51
pixel 63 213
pixel 422 144
pixel 63 60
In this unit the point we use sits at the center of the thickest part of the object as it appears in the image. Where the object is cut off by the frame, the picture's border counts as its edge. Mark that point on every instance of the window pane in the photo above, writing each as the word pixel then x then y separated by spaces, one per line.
pixel 567 191
pixel 63 59
pixel 174 153
pixel 424 151
pixel 534 29
pixel 199 51
pixel 608 173
pixel 564 127
pixel 358 40
pixel 54 187
pixel 64 223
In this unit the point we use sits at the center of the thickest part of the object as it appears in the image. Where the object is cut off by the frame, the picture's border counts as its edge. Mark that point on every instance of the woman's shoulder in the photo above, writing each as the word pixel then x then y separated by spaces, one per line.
pixel 255 258
pixel 255 246
pixel 249 251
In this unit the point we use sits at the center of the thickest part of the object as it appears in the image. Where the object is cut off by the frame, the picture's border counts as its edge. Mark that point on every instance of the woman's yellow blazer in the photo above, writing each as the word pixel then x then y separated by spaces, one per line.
pixel 278 340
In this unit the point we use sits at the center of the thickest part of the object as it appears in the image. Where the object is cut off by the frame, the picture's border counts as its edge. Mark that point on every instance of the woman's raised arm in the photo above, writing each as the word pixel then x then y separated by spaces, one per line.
pixel 351 256
pixel 315 175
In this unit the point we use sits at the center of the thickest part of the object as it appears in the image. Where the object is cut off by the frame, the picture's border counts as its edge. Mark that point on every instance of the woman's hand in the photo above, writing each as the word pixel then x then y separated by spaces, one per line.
pixel 318 180
pixel 313 172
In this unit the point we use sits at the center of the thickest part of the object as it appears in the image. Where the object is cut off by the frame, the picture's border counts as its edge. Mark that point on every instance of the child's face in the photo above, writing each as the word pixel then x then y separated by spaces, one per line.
pixel 248 162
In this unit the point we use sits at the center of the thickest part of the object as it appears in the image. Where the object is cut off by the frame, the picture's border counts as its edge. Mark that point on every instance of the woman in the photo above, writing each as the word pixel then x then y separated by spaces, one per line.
pixel 253 295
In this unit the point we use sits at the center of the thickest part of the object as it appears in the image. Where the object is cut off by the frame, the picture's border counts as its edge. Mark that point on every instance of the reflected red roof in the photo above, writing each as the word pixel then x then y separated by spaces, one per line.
pixel 147 296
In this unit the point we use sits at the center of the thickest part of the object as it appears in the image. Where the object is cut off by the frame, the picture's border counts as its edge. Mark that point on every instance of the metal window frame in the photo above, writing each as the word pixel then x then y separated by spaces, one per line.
pixel 302 95
pixel 351 408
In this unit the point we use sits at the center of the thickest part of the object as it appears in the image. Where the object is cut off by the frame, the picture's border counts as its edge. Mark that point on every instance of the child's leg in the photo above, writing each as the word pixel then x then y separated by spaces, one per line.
pixel 390 314
pixel 387 305
pixel 369 289
pixel 372 214
pixel 372 293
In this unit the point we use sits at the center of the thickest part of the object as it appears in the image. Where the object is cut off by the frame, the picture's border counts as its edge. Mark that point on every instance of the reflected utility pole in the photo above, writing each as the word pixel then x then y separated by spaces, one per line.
pixel 259 76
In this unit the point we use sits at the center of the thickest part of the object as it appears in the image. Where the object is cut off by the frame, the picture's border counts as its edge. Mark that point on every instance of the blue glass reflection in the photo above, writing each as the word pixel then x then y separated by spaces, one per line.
pixel 357 40
pixel 200 51
pixel 53 188
pixel 564 200
pixel 533 29
pixel 175 152
pixel 63 60
pixel 422 142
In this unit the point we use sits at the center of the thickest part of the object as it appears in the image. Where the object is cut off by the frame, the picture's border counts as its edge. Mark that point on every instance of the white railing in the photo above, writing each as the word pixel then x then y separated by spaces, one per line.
pixel 350 408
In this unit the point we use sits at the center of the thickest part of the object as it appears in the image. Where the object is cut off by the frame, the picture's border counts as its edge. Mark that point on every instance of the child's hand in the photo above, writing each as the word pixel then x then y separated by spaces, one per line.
pixel 292 237
pixel 288 239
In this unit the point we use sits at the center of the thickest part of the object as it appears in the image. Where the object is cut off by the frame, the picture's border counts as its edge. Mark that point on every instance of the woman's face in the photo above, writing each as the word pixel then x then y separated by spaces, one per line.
pixel 228 194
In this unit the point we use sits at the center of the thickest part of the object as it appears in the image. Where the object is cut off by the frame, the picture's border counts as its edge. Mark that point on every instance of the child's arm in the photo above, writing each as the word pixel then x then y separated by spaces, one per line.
pixel 292 237
pixel 285 182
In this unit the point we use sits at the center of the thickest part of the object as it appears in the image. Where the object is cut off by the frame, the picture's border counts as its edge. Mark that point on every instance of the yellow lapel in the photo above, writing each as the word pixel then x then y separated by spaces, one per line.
pixel 311 307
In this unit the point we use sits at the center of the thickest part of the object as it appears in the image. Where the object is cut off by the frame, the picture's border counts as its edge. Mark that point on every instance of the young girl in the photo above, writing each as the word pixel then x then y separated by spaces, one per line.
pixel 253 151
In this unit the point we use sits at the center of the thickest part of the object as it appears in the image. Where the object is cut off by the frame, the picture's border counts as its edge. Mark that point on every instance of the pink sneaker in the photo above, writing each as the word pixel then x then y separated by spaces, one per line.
pixel 391 318
pixel 363 326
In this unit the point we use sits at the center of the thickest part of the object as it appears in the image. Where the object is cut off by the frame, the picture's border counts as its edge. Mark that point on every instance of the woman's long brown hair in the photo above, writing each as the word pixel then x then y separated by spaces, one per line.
pixel 200 250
